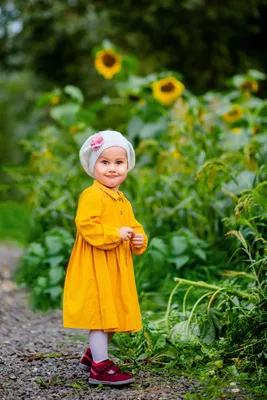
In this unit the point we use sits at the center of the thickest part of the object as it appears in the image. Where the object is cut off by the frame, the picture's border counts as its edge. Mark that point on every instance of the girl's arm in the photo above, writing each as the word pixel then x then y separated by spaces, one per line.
pixel 89 224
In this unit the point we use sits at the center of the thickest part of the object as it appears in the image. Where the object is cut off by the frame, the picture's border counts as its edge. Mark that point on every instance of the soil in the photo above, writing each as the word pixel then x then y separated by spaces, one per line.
pixel 39 359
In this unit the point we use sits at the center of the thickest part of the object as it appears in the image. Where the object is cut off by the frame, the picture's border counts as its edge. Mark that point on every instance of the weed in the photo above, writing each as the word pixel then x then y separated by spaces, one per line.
pixel 79 338
pixel 79 385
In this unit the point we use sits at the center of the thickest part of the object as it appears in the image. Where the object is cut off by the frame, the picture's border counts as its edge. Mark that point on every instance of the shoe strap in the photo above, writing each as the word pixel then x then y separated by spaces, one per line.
pixel 105 366
pixel 115 368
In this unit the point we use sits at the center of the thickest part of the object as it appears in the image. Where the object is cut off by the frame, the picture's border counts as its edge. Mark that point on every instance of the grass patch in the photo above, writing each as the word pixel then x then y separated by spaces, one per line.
pixel 14 222
pixel 80 338
pixel 79 385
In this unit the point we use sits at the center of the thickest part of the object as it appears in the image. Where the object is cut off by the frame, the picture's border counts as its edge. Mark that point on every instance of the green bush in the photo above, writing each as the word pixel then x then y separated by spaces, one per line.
pixel 42 268
pixel 201 174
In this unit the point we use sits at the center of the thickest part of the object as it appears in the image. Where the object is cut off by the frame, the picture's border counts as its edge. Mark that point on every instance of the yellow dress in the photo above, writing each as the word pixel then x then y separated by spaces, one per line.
pixel 100 291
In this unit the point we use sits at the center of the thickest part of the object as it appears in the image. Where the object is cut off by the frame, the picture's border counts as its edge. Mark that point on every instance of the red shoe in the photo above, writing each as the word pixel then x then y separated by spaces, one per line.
pixel 107 373
pixel 86 361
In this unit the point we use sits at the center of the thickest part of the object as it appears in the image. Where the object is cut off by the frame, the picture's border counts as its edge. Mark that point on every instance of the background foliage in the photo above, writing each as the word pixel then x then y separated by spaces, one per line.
pixel 45 44
pixel 200 175
pixel 199 186
pixel 208 40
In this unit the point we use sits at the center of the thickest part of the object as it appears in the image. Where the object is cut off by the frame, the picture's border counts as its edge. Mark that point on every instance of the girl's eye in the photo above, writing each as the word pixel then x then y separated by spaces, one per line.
pixel 104 162
pixel 119 162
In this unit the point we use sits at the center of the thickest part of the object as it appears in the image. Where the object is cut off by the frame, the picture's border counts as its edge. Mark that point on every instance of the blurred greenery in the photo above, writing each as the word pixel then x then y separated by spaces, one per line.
pixel 46 44
pixel 201 174
pixel 206 41
pixel 14 222
pixel 191 100
pixel 17 97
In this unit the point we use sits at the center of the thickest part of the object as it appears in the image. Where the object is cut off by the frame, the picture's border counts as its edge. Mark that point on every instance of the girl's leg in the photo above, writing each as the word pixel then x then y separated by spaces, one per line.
pixel 99 345
pixel 104 371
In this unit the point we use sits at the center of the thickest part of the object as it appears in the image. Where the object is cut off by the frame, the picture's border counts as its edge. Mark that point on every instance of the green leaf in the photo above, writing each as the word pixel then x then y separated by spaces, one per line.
pixel 235 300
pixel 216 317
pixel 179 244
pixel 208 331
pixel 65 114
pixel 54 292
pixel 107 44
pixel 55 260
pixel 200 253
pixel 36 249
pixel 54 244
pixel 262 111
pixel 216 363
pixel 80 138
pixel 233 370
pixel 42 281
pixel 245 181
pixel 149 131
pixel 179 261
pixel 157 243
pixel 75 93
pixel 142 357
pixel 254 73
pixel 160 343
pixel 157 256
pixel 238 80
pixel 45 98
pixel 32 261
pixel 56 275
pixel 134 127
pixel 231 142
pixel 181 331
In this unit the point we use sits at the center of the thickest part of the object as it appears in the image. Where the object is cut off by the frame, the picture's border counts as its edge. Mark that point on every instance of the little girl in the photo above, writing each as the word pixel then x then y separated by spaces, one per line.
pixel 100 291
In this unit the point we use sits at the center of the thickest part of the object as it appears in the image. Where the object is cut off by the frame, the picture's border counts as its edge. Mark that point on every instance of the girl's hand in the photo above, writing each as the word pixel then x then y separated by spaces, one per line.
pixel 126 233
pixel 138 240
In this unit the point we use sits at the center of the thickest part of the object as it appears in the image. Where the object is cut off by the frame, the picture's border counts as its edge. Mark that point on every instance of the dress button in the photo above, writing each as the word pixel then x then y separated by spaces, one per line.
pixel 121 212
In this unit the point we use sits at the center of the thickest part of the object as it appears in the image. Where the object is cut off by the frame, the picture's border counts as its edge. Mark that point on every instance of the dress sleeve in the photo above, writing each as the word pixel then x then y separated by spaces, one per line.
pixel 137 227
pixel 90 226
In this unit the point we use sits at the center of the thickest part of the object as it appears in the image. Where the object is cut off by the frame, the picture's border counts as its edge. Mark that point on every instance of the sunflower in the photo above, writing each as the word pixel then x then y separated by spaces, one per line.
pixel 47 154
pixel 234 114
pixel 73 129
pixel 250 86
pixel 167 90
pixel 236 131
pixel 176 154
pixel 55 100
pixel 107 63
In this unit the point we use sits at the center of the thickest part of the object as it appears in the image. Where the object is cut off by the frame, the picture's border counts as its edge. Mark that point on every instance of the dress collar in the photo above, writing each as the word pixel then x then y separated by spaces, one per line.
pixel 115 195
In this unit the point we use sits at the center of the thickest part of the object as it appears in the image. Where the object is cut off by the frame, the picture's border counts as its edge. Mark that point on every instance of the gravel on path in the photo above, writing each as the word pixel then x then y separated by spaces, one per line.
pixel 39 358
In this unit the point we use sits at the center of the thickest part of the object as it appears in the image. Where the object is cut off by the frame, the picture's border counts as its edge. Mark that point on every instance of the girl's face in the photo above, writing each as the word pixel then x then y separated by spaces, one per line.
pixel 111 167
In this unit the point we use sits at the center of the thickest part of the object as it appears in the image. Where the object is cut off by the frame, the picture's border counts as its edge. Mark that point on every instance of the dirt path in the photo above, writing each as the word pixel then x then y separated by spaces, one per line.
pixel 39 359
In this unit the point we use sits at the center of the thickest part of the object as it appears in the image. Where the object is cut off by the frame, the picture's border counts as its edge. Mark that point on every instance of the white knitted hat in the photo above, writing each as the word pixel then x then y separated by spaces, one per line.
pixel 100 141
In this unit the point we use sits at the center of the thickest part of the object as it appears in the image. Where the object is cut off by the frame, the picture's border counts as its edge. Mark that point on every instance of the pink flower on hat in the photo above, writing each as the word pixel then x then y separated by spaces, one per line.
pixel 96 141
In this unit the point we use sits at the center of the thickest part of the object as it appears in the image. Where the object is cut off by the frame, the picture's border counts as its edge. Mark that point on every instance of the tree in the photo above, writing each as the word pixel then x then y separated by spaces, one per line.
pixel 205 40
pixel 55 40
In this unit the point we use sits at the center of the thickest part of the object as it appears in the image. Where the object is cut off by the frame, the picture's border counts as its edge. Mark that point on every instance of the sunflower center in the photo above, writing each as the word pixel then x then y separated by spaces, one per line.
pixel 109 60
pixel 234 113
pixel 168 87
pixel 248 85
